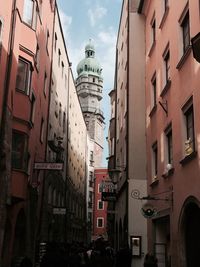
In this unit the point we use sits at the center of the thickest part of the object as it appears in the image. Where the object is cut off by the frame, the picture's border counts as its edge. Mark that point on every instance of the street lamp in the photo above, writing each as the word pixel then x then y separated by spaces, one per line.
pixel 196 46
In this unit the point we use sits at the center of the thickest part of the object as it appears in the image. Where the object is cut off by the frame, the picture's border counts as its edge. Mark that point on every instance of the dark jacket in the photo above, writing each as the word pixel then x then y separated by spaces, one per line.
pixel 150 261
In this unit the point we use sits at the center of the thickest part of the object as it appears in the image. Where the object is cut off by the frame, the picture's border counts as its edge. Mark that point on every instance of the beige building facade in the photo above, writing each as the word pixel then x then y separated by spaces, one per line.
pixel 127 161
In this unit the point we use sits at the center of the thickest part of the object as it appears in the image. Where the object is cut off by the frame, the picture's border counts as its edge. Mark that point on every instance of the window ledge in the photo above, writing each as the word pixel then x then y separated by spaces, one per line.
pixel 152 48
pixel 166 88
pixel 153 110
pixel 168 173
pixel 188 158
pixel 184 57
pixel 25 93
pixel 29 26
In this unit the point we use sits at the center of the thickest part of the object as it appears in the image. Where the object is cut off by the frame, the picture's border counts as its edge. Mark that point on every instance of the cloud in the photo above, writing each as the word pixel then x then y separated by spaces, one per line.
pixel 96 14
pixel 65 22
pixel 107 46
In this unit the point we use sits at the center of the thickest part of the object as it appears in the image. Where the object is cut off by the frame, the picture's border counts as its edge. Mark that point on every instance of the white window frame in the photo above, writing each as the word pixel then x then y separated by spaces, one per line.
pixel 100 201
pixel 188 106
pixel 27 77
pixel 98 219
pixel 29 13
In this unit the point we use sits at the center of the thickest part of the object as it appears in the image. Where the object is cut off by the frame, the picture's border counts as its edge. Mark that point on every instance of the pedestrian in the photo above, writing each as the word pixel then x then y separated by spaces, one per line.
pixel 54 257
pixel 99 256
pixel 123 257
pixel 26 262
pixel 150 260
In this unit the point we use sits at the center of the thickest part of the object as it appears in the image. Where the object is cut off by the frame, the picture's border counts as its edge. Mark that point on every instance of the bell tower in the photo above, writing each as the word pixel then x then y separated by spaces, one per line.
pixel 89 86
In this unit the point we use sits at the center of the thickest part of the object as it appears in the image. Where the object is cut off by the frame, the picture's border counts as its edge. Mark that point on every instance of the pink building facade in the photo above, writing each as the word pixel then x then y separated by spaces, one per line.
pixel 172 130
pixel 26 49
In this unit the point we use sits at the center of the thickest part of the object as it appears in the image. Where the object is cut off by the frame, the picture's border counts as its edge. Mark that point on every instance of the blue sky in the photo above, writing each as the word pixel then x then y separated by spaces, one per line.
pixel 98 20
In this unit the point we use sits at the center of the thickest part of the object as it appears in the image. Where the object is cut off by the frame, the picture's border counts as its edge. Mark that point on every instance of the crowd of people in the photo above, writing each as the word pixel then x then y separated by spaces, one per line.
pixel 98 254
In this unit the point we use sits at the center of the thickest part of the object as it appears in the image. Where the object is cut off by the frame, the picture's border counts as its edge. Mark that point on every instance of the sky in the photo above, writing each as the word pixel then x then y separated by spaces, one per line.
pixel 97 20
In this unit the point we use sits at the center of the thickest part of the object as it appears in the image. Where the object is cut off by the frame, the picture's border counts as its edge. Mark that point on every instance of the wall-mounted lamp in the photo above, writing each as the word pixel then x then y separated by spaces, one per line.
pixel 148 210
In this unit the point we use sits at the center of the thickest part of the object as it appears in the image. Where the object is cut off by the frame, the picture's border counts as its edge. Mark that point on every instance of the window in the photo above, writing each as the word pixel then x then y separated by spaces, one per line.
pixel 55 41
pixel 189 124
pixel 32 113
pixel 59 55
pixel 19 150
pixel 185 32
pixel 154 160
pixel 153 91
pixel 91 158
pixel 99 188
pixel 153 31
pixel 29 13
pixel 100 205
pixel 62 64
pixel 64 122
pixel 100 222
pixel 37 56
pixel 47 41
pixel 167 66
pixel 42 131
pixel 23 79
pixel 90 200
pixel 169 147
pixel 91 179
pixel 45 83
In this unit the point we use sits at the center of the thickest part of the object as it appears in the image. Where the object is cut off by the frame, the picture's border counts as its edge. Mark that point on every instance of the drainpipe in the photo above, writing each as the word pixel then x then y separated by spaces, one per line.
pixel 128 136
pixel 5 133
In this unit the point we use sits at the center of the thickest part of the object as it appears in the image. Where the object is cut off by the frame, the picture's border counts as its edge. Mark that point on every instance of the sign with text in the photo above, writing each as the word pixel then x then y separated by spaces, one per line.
pixel 107 186
pixel 108 196
pixel 48 166
pixel 60 211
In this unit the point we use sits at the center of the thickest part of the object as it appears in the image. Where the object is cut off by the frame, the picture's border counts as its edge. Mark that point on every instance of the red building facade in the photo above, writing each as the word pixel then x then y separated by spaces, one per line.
pixel 100 207
pixel 26 52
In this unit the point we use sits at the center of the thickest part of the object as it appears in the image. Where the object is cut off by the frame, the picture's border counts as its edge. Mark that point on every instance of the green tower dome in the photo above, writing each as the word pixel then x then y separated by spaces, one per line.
pixel 89 65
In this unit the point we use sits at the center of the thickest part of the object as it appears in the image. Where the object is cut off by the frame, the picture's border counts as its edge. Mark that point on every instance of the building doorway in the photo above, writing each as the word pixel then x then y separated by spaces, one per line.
pixel 162 241
pixel 192 234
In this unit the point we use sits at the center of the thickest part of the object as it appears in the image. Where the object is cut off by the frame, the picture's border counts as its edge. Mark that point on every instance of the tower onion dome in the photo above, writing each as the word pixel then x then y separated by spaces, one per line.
pixel 89 65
